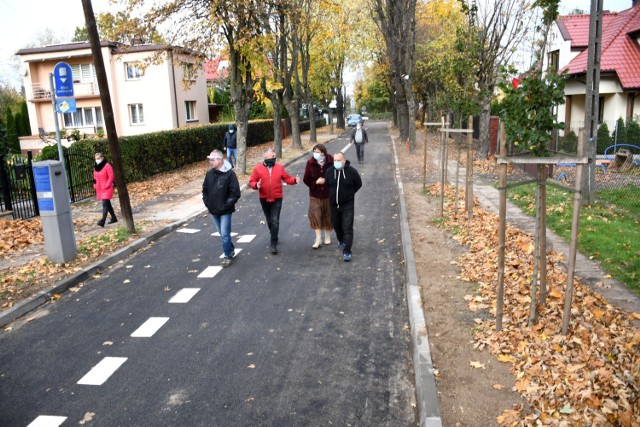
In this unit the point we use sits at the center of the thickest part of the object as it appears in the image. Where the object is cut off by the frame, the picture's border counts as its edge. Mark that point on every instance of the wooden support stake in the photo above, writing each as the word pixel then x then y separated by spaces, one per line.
pixel 501 228
pixel 543 236
pixel 442 170
pixel 469 186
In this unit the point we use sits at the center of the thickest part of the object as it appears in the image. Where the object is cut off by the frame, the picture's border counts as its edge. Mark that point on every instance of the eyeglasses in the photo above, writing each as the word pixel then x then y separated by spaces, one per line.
pixel 215 158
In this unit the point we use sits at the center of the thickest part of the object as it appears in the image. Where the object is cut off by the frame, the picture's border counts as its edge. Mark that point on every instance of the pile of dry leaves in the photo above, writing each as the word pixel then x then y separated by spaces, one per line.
pixel 16 235
pixel 589 377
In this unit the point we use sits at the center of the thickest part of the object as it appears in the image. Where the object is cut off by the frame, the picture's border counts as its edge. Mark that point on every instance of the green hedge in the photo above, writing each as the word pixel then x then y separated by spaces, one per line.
pixel 148 154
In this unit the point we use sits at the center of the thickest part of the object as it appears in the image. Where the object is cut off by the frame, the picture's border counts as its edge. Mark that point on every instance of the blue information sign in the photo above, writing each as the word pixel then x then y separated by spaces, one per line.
pixel 43 188
pixel 66 105
pixel 63 80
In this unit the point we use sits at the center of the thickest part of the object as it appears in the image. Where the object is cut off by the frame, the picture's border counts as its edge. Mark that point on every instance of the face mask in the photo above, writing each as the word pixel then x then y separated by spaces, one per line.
pixel 359 126
pixel 318 156
pixel 337 165
pixel 230 130
pixel 269 162
pixel 98 161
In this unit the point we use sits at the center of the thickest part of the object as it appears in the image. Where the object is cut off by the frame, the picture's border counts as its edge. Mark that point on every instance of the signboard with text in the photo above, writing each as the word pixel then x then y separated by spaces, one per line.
pixel 63 80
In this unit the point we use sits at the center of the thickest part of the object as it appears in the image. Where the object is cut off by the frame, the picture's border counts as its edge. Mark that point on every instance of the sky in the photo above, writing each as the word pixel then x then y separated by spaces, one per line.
pixel 22 20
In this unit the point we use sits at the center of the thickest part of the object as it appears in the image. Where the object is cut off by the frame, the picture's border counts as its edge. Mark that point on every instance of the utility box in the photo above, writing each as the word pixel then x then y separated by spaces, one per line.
pixel 55 210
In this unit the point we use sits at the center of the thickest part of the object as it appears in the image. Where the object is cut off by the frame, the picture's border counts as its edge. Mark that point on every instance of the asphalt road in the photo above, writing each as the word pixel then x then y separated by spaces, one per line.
pixel 167 338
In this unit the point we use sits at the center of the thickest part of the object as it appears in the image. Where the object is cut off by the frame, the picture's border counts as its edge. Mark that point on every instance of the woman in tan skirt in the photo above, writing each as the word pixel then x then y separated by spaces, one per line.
pixel 319 214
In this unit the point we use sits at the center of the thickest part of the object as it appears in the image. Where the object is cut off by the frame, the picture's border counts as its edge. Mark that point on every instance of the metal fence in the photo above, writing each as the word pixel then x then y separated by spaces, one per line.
pixel 17 188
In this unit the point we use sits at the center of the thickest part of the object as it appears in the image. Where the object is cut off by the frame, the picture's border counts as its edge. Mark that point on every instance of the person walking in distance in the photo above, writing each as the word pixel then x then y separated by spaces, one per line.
pixel 359 138
pixel 267 177
pixel 220 193
pixel 230 141
pixel 103 184
pixel 344 182
pixel 319 212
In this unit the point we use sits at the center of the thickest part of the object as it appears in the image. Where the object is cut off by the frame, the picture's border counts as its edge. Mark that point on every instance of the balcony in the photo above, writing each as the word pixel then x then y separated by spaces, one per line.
pixel 42 92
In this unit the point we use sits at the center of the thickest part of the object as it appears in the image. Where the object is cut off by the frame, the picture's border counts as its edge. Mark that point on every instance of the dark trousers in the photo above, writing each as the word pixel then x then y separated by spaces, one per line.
pixel 342 222
pixel 107 208
pixel 360 151
pixel 272 215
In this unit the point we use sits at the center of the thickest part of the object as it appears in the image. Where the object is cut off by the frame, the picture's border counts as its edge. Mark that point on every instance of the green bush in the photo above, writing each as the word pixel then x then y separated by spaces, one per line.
pixel 568 143
pixel 603 138
pixel 633 133
pixel 152 153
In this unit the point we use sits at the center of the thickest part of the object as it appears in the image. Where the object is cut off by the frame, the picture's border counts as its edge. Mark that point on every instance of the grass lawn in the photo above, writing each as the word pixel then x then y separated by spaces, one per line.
pixel 609 229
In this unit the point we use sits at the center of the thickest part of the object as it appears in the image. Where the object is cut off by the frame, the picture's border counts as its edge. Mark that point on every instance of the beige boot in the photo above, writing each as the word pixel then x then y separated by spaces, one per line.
pixel 327 237
pixel 318 241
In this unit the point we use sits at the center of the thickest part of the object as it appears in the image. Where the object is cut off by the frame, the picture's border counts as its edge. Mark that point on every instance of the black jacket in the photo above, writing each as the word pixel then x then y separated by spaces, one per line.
pixel 365 138
pixel 343 184
pixel 230 140
pixel 221 190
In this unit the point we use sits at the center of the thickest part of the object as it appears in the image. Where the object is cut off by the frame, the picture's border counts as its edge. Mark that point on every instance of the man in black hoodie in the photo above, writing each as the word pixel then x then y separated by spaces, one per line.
pixel 343 182
pixel 220 193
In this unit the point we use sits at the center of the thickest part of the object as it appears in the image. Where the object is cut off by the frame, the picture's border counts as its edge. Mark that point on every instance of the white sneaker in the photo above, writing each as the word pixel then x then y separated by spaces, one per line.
pixel 317 243
pixel 327 239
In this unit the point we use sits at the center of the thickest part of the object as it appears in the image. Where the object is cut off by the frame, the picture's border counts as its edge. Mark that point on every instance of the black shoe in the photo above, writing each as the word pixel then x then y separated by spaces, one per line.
pixel 113 220
pixel 101 223
pixel 274 248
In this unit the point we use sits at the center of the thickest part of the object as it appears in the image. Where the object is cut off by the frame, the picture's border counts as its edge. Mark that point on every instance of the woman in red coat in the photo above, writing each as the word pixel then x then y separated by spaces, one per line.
pixel 319 212
pixel 103 183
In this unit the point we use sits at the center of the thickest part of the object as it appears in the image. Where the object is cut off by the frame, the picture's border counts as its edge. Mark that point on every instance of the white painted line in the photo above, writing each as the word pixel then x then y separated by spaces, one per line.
pixel 236 252
pixel 247 238
pixel 102 371
pixel 150 327
pixel 187 230
pixel 218 234
pixel 47 421
pixel 183 295
pixel 210 272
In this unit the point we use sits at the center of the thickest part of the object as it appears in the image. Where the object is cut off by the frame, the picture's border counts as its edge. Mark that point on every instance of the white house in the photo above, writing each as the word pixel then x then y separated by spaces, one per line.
pixel 619 66
pixel 168 93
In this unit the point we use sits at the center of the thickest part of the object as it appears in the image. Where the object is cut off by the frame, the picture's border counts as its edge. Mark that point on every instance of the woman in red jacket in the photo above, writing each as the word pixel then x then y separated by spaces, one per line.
pixel 103 183
pixel 267 177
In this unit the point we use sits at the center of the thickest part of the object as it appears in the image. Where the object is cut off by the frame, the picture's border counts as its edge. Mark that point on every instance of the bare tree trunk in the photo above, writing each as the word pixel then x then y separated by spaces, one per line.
pixel 485 118
pixel 276 100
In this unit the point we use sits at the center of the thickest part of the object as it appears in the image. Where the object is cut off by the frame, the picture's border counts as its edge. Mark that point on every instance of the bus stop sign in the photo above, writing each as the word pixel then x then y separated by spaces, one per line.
pixel 63 80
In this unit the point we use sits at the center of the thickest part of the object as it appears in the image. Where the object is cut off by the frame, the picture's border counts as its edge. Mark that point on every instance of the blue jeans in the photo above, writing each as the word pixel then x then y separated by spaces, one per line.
pixel 223 225
pixel 231 152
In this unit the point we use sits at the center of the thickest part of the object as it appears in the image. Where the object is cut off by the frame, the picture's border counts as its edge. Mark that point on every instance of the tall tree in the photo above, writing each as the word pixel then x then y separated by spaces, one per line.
pixel 80 34
pixel 12 136
pixel 499 26
pixel 396 21
pixel 26 124
pixel 125 28
pixel 207 26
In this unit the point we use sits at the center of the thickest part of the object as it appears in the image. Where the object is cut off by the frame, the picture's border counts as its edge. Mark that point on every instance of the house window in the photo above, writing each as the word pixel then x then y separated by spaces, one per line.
pixel 83 73
pixel 600 109
pixel 554 60
pixel 136 114
pixel 190 107
pixel 134 70
pixel 189 71
pixel 84 117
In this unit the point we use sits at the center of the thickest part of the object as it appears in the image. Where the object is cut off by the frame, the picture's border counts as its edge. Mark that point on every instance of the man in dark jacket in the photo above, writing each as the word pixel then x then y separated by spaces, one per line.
pixel 220 193
pixel 343 182
pixel 229 142
pixel 359 138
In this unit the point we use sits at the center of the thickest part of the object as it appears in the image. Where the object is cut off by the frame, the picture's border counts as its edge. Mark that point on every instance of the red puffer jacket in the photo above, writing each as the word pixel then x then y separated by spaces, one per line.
pixel 270 181
pixel 103 177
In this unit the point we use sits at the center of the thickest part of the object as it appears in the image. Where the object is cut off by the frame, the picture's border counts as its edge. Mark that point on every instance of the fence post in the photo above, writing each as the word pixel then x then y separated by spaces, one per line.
pixel 32 184
pixel 67 161
pixel 4 181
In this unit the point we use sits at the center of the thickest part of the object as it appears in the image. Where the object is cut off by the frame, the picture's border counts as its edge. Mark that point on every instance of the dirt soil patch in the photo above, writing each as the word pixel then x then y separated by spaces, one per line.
pixel 473 387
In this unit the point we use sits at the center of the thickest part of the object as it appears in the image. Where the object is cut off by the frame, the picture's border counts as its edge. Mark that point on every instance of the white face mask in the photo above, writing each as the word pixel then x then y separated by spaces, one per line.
pixel 230 130
pixel 98 161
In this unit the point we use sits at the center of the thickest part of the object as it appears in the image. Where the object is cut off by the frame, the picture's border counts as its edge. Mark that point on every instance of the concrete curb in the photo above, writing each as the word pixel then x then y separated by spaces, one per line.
pixel 426 391
pixel 9 315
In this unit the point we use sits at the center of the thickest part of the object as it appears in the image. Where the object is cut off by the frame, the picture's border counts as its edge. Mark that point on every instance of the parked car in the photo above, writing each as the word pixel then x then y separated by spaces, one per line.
pixel 354 119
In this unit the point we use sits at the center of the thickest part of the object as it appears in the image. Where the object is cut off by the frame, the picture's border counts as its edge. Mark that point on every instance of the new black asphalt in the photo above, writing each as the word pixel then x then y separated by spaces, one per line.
pixel 300 338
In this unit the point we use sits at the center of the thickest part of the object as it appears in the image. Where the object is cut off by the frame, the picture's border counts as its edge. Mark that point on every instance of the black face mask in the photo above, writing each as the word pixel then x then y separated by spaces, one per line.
pixel 269 162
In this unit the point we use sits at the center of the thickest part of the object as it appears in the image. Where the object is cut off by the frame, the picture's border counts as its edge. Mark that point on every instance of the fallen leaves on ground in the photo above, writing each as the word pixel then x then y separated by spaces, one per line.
pixel 17 235
pixel 589 377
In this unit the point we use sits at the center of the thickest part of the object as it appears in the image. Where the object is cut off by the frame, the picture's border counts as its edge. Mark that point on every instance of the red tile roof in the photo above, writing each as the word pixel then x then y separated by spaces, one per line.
pixel 620 51
pixel 211 69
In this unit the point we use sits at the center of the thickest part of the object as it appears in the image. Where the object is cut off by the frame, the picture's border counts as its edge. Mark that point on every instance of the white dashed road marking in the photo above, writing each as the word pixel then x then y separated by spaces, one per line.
pixel 247 238
pixel 237 251
pixel 187 230
pixel 210 272
pixel 47 421
pixel 102 371
pixel 150 327
pixel 184 295
pixel 218 234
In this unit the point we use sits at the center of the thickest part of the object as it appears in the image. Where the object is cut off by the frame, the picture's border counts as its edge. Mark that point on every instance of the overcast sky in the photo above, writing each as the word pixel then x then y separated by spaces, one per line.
pixel 21 20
